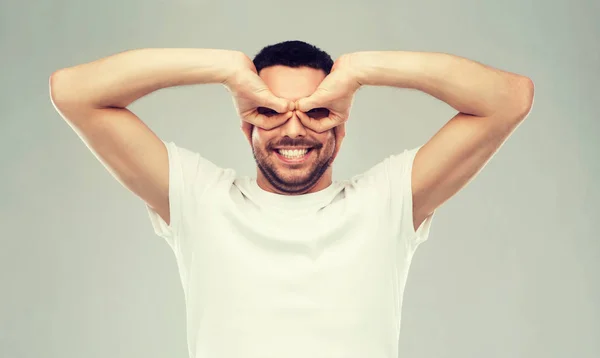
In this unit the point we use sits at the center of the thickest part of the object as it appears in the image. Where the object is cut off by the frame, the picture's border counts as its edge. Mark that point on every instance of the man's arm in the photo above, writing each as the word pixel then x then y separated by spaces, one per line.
pixel 491 104
pixel 93 97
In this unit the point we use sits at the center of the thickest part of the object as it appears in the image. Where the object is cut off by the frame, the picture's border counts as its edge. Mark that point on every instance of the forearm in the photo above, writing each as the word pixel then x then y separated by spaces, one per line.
pixel 119 80
pixel 467 86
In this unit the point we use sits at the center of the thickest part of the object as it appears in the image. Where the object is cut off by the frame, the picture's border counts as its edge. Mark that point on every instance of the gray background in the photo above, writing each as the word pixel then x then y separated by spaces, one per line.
pixel 512 267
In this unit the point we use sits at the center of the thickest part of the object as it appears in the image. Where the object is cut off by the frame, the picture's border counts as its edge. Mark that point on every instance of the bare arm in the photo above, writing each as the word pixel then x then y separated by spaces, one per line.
pixel 93 97
pixel 491 105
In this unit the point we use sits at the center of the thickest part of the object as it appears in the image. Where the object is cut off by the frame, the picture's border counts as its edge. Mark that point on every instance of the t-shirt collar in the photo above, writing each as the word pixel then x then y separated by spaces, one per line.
pixel 302 202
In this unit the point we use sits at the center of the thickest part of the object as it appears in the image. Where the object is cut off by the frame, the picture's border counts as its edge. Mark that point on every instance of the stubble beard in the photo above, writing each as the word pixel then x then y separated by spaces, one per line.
pixel 265 162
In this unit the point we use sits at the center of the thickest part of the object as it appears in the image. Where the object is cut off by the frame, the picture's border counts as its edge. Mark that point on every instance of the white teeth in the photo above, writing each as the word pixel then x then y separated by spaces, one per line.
pixel 293 154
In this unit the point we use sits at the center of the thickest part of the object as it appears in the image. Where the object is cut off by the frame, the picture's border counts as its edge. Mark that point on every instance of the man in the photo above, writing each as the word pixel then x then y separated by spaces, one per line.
pixel 292 263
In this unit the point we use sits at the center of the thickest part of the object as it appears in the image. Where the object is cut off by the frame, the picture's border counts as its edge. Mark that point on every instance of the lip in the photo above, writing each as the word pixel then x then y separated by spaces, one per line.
pixel 294 161
pixel 291 148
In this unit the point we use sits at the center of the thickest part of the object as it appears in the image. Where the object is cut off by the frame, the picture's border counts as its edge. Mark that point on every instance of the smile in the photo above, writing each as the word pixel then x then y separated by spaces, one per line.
pixel 293 155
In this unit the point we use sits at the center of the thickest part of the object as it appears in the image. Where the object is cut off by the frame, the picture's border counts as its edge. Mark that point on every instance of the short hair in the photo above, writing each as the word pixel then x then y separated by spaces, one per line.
pixel 293 54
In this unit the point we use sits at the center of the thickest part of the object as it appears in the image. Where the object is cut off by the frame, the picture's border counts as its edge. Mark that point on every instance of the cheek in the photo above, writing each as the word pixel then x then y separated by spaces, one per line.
pixel 259 139
pixel 330 140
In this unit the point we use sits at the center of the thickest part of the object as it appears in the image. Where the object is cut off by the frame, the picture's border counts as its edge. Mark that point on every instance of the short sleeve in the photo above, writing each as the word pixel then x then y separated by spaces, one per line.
pixel 400 171
pixel 189 176
pixel 393 178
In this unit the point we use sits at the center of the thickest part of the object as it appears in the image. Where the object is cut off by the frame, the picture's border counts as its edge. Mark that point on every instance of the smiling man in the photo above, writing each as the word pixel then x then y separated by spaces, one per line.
pixel 291 263
pixel 292 159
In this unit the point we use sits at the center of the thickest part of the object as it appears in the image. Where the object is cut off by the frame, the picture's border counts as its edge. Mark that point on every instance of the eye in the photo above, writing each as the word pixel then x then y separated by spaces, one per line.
pixel 318 113
pixel 266 111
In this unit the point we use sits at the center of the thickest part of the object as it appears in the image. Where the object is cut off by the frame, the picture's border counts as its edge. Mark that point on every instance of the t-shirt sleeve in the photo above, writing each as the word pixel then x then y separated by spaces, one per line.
pixel 394 176
pixel 189 176
pixel 401 168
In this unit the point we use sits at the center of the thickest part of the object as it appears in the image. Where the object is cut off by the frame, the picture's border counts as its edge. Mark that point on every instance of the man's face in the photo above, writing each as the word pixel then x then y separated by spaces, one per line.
pixel 292 158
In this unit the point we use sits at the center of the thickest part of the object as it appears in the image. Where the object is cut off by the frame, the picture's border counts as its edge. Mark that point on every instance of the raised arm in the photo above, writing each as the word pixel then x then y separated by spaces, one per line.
pixel 93 97
pixel 491 105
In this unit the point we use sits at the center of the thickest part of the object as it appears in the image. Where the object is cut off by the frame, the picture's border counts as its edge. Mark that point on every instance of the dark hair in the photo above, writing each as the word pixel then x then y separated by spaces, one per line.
pixel 293 54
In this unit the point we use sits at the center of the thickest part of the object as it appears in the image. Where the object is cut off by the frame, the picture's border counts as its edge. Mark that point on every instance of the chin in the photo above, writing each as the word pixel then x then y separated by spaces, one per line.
pixel 294 177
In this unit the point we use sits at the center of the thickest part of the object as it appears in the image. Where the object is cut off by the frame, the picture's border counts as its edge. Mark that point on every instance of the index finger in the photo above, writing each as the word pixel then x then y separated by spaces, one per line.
pixel 318 125
pixel 267 122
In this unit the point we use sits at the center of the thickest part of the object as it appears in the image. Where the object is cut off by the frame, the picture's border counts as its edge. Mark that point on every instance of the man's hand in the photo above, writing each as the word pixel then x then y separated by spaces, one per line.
pixel 335 94
pixel 254 102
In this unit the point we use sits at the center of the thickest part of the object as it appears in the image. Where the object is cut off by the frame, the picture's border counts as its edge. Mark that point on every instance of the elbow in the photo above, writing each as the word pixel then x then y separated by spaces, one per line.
pixel 517 98
pixel 64 91
pixel 525 92
pixel 57 88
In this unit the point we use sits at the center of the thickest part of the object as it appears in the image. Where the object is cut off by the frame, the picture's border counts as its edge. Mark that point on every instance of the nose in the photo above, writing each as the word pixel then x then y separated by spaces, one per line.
pixel 293 127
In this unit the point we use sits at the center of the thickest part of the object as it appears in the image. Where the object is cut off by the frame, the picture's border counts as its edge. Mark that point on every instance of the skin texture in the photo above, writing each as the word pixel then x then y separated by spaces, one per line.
pixel 315 173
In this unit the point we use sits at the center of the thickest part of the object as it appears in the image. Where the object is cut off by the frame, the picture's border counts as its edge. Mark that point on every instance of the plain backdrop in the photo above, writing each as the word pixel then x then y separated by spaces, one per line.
pixel 512 266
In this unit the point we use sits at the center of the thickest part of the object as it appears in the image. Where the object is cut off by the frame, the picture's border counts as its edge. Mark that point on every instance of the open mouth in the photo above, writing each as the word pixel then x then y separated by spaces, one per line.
pixel 293 155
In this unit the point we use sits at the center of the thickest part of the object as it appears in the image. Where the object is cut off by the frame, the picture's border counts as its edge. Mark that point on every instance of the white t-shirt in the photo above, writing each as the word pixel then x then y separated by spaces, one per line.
pixel 320 275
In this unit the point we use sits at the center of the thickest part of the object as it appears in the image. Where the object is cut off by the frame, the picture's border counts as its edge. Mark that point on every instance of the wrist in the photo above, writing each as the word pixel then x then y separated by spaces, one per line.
pixel 359 65
pixel 234 62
